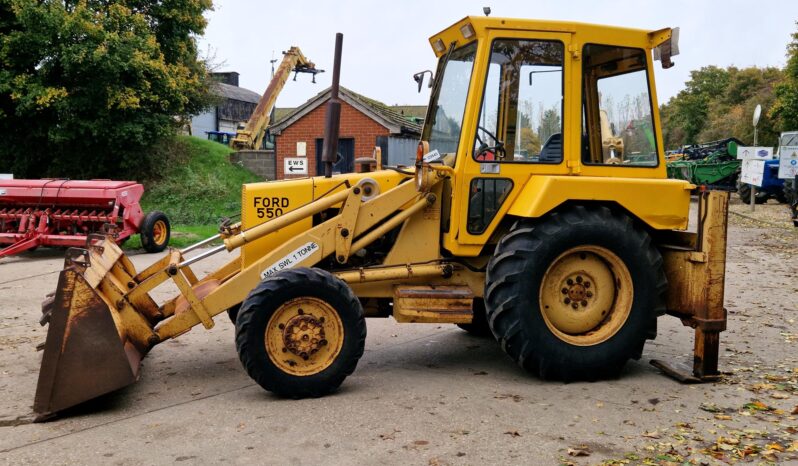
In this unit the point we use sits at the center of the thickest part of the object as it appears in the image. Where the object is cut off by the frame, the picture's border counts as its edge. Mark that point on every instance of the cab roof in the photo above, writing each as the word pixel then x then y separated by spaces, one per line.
pixel 612 34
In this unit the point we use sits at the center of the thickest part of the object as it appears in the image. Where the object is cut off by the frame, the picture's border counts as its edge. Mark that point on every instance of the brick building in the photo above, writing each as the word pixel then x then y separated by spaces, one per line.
pixel 365 123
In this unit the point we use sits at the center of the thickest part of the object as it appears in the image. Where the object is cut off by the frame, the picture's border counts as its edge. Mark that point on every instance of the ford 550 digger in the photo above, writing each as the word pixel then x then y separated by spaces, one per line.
pixel 524 217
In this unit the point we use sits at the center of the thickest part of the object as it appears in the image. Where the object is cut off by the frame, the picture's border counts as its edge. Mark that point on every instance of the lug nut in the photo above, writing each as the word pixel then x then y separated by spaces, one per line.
pixel 584 303
pixel 578 279
pixel 587 284
pixel 285 350
pixel 300 311
pixel 567 301
pixel 574 305
pixel 281 326
pixel 569 281
pixel 304 356
pixel 321 320
pixel 589 294
pixel 565 291
pixel 323 343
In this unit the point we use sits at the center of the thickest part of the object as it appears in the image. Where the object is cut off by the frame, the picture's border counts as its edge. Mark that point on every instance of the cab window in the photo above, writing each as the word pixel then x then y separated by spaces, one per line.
pixel 522 105
pixel 617 122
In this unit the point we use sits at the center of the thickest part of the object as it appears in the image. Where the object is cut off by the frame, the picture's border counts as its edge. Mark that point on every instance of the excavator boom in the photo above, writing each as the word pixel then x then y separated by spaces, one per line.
pixel 251 137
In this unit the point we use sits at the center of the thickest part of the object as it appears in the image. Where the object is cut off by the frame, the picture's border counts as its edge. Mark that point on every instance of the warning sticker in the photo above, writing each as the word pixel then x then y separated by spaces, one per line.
pixel 291 259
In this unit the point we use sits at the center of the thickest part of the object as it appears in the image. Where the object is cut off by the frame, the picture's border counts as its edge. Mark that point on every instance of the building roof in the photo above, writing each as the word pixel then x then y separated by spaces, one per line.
pixel 411 111
pixel 394 121
pixel 282 112
pixel 236 93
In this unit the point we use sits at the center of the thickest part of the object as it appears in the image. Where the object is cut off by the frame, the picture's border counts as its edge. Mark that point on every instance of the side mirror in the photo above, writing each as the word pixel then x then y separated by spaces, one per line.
pixel 419 78
pixel 667 48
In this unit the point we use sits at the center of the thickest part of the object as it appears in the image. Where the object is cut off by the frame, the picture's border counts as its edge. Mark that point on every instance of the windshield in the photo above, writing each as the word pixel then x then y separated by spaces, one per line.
pixel 789 139
pixel 442 129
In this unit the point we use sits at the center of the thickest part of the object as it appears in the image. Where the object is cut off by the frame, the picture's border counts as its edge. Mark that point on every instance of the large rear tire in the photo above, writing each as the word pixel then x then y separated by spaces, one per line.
pixel 575 295
pixel 300 333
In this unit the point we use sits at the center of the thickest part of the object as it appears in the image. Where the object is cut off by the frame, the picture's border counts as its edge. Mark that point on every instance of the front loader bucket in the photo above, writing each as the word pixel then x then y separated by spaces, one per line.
pixel 84 355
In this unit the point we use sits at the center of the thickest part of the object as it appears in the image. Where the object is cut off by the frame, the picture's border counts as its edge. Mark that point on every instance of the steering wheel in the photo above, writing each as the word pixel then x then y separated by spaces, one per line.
pixel 497 148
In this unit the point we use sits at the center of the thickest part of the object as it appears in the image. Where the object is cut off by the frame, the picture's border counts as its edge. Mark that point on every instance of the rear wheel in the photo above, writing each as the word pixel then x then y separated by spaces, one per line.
pixel 744 191
pixel 576 295
pixel 155 232
pixel 300 333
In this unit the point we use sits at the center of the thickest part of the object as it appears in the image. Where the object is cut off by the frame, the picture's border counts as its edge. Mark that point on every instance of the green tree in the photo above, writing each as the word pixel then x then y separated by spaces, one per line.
pixel 89 87
pixel 785 107
pixel 549 123
pixel 718 103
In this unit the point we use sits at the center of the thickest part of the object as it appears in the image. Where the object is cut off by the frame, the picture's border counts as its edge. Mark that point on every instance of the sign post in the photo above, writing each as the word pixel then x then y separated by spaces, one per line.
pixel 757 114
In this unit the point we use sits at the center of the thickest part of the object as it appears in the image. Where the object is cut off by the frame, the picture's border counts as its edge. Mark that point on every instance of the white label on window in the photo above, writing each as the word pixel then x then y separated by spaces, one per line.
pixel 291 259
pixel 432 156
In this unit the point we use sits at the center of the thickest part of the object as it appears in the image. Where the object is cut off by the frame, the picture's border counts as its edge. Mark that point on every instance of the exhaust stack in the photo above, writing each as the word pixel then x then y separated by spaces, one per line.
pixel 332 120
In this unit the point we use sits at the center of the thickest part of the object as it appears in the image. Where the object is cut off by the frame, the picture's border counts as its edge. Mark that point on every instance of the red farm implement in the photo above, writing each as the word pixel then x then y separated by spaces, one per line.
pixel 52 212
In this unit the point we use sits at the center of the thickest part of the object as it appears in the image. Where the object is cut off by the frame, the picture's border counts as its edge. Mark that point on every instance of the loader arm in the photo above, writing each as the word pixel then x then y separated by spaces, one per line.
pixel 251 137
pixel 124 322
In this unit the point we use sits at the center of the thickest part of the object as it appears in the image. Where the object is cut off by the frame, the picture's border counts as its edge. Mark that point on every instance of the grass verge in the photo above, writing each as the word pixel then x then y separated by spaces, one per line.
pixel 196 187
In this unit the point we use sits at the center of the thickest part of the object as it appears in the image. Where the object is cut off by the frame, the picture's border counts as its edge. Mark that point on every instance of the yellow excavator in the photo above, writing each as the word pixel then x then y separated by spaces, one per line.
pixel 566 257
pixel 251 136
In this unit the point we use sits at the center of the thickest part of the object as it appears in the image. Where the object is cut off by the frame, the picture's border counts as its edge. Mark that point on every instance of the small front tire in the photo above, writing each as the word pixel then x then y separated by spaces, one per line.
pixel 300 333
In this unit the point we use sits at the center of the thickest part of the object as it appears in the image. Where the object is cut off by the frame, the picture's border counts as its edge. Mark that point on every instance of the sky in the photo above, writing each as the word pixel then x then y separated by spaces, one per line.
pixel 386 42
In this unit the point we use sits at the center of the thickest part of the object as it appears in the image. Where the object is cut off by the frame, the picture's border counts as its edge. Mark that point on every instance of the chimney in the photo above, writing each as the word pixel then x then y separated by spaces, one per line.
pixel 227 77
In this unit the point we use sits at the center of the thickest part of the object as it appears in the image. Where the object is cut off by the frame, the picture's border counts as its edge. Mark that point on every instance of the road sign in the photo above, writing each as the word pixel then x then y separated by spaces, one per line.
pixel 788 162
pixel 296 166
pixel 757 114
pixel 753 171
pixel 757 153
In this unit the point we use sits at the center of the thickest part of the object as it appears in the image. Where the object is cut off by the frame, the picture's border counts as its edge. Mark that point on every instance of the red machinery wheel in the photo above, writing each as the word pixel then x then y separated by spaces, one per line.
pixel 155 231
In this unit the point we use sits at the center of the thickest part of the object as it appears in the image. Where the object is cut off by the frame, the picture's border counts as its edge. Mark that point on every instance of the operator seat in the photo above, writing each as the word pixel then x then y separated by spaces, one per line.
pixel 552 149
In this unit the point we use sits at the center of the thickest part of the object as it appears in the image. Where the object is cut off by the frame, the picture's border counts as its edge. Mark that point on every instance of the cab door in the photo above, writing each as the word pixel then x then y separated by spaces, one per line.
pixel 518 130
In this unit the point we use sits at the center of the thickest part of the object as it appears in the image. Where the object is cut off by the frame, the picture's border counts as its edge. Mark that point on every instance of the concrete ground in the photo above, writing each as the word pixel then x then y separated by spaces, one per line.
pixel 430 394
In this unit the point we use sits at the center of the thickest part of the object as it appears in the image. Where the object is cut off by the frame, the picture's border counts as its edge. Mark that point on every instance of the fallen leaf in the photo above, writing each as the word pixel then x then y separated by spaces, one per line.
pixel 653 434
pixel 723 417
pixel 513 433
pixel 757 406
pixel 581 450
pixel 774 446
pixel 795 410
pixel 420 442
pixel 779 395
pixel 710 408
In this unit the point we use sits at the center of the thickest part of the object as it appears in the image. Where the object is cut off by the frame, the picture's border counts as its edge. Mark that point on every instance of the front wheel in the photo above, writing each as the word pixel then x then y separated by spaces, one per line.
pixel 300 333
pixel 575 295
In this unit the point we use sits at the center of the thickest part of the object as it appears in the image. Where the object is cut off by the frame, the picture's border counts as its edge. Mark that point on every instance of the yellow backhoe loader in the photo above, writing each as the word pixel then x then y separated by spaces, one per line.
pixel 566 253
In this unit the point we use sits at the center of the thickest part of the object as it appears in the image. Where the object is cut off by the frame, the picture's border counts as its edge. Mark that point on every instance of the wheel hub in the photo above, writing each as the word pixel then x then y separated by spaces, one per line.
pixel 576 289
pixel 585 295
pixel 303 335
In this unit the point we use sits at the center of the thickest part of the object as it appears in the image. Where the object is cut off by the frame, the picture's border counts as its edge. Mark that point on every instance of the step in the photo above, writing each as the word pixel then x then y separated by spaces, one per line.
pixel 433 304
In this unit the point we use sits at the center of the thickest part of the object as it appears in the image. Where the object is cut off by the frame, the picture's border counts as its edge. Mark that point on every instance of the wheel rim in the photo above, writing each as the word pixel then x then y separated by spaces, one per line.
pixel 304 336
pixel 159 232
pixel 586 295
